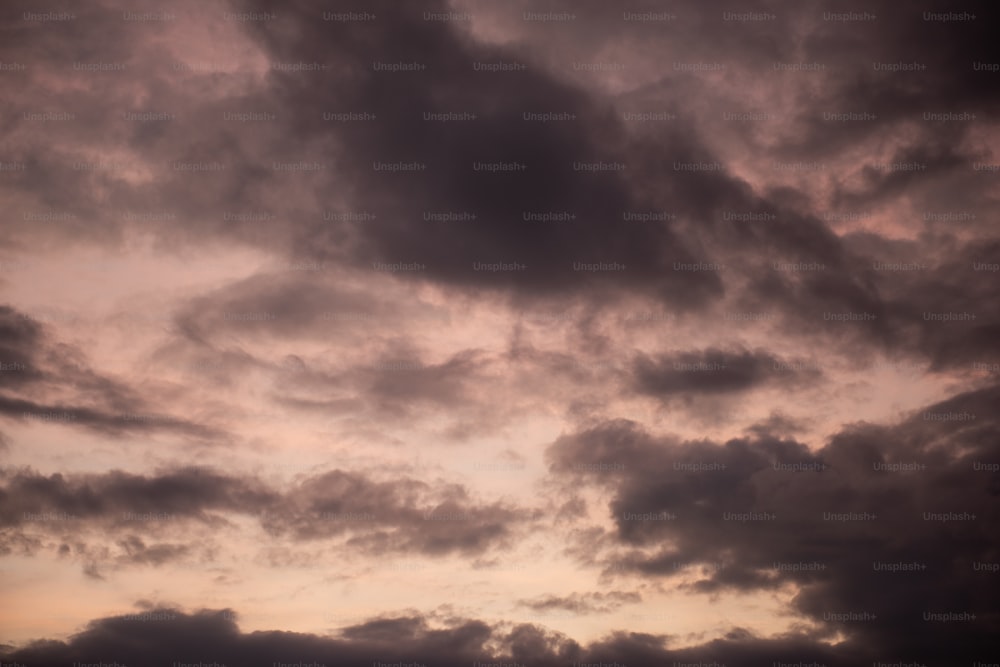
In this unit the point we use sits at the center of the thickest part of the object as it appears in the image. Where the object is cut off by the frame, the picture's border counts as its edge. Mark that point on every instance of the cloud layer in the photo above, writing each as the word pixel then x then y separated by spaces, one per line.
pixel 537 332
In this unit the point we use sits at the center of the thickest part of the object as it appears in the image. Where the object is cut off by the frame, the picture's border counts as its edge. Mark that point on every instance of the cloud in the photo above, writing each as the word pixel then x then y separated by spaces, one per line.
pixel 54 383
pixel 868 524
pixel 354 264
pixel 401 515
pixel 113 497
pixel 582 603
pixel 710 371
pixel 212 636
pixel 371 516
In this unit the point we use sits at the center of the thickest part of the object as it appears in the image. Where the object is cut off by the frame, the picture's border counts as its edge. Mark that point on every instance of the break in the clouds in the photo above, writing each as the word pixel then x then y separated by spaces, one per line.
pixel 530 333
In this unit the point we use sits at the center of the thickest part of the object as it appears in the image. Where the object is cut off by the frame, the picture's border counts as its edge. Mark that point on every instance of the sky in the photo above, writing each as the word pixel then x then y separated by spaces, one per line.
pixel 522 333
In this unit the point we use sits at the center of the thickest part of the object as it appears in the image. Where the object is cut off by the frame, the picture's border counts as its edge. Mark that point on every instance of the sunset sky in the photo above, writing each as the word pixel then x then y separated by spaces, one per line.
pixel 521 332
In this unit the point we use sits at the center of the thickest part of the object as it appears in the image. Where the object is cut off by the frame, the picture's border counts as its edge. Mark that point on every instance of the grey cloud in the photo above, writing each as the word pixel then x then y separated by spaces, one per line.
pixel 371 515
pixel 712 371
pixel 54 382
pixel 760 512
pixel 213 636
pixel 582 603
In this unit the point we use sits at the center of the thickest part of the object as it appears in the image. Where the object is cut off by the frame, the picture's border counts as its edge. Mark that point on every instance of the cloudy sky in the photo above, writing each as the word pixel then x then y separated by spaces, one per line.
pixel 534 332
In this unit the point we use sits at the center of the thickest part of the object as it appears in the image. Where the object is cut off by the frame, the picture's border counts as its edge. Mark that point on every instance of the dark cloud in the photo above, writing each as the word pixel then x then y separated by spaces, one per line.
pixel 710 371
pixel 399 515
pixel 217 205
pixel 869 523
pixel 449 183
pixel 152 635
pixel 54 383
pixel 213 636
pixel 857 239
pixel 19 339
pixel 312 303
pixel 117 520
pixel 139 553
pixel 582 603
pixel 391 377
pixel 347 151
